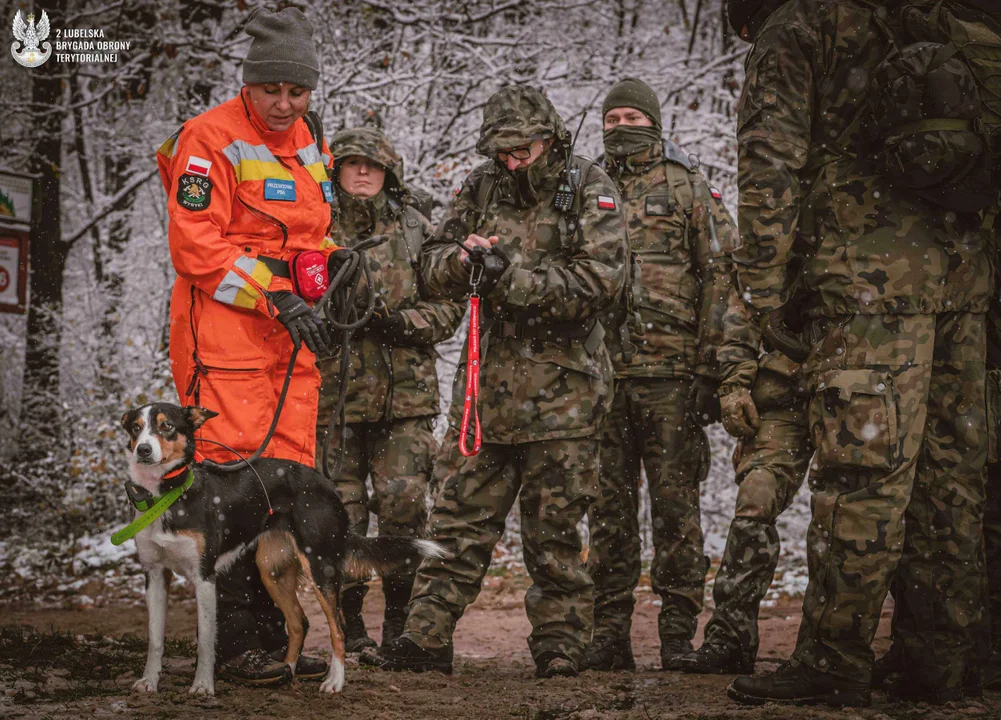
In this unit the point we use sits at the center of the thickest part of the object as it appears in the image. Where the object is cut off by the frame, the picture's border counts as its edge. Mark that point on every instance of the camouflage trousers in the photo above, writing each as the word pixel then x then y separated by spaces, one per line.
pixel 558 480
pixel 992 512
pixel 649 424
pixel 770 467
pixel 897 417
pixel 397 454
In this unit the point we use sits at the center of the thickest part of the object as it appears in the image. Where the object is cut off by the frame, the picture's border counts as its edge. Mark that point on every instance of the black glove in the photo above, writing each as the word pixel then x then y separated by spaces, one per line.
pixel 703 400
pixel 303 325
pixel 494 262
pixel 335 260
pixel 392 327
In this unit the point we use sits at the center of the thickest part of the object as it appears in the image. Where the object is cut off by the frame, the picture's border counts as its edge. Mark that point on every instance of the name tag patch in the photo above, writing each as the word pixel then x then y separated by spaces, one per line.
pixel 275 189
pixel 328 190
pixel 659 205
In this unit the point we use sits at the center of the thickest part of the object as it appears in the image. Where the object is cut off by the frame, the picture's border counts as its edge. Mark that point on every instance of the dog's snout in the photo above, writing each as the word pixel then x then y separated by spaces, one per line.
pixel 144 451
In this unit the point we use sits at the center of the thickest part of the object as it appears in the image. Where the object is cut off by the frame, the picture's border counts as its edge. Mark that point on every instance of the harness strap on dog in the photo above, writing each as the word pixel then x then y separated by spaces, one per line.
pixel 471 406
pixel 159 507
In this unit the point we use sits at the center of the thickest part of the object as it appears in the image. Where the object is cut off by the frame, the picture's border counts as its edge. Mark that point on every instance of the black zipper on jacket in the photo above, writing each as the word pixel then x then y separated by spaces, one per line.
pixel 260 214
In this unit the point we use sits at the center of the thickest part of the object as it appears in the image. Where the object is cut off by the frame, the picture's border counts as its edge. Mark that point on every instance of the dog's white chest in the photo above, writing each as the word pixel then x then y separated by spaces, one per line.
pixel 172 550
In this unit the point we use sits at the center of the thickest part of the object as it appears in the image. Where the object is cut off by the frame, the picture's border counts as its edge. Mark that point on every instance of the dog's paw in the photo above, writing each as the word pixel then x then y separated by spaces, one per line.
pixel 145 684
pixel 202 687
pixel 334 682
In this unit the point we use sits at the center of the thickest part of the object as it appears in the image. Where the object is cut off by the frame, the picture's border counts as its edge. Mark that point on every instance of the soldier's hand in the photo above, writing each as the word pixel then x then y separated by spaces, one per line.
pixel 479 241
pixel 703 402
pixel 739 414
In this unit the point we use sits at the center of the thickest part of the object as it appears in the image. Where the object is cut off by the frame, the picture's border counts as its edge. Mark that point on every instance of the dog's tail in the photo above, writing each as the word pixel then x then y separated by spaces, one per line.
pixel 385 553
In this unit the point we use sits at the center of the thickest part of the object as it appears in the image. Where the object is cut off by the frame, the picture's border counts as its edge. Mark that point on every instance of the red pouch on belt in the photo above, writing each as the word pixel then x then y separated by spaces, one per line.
pixel 309 275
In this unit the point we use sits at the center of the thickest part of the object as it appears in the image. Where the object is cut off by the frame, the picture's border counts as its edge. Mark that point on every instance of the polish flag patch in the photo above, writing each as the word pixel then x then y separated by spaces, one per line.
pixel 715 193
pixel 198 166
pixel 606 202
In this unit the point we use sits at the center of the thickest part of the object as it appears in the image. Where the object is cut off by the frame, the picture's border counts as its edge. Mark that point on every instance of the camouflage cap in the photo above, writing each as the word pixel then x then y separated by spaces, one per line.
pixel 517 115
pixel 369 143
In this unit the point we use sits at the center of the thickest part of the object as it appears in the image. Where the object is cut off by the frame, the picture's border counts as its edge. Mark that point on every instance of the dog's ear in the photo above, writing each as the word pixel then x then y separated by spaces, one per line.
pixel 198 415
pixel 125 419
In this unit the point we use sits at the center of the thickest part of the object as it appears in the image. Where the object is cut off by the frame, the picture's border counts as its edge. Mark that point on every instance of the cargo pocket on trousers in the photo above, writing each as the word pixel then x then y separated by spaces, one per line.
pixel 245 399
pixel 853 419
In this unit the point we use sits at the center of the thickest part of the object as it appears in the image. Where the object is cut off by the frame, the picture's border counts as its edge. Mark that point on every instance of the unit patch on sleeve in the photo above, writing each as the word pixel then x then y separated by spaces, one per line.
pixel 606 202
pixel 193 192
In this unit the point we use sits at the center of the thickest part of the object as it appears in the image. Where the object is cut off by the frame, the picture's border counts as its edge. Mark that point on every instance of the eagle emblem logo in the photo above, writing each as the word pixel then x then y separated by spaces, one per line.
pixel 29 35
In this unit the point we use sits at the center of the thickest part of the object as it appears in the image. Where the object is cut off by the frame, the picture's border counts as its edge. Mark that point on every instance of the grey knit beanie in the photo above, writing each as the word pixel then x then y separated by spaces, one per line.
pixel 634 93
pixel 283 50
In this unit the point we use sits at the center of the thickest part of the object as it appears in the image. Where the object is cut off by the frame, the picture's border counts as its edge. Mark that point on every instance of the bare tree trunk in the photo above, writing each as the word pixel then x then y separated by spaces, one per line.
pixel 41 428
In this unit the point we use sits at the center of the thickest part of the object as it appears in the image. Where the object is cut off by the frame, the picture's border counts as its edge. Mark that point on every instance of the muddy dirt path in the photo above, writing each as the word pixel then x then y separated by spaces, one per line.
pixel 493 673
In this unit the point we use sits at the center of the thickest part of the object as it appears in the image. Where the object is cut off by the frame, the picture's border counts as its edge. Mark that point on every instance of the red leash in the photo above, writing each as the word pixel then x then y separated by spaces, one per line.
pixel 471 406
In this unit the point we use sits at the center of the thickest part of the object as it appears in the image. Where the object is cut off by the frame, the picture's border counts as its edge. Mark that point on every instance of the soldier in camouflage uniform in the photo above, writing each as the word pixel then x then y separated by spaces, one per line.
pixel 545 384
pixel 662 340
pixel 392 390
pixel 896 294
pixel 763 403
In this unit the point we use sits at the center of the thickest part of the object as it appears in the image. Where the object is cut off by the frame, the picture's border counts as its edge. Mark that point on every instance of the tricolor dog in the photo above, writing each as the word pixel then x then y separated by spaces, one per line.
pixel 221 516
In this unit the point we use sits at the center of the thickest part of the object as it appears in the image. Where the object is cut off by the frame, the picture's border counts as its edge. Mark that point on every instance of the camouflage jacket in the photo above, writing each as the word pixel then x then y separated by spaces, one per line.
pixel 681 236
pixel 809 205
pixel 536 389
pixel 387 382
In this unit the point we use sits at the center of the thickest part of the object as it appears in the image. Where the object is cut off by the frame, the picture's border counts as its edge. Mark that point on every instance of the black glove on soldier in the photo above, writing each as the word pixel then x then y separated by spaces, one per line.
pixel 335 260
pixel 392 327
pixel 303 325
pixel 494 263
pixel 703 400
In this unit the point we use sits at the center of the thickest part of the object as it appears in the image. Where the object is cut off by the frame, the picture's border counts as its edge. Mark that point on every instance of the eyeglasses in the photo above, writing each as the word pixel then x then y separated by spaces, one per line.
pixel 518 153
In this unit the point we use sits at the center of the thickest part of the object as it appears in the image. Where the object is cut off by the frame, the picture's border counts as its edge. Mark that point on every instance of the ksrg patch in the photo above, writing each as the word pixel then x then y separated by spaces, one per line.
pixel 193 192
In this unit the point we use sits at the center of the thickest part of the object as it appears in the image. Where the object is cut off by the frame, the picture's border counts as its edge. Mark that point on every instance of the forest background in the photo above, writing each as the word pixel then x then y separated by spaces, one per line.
pixel 94 341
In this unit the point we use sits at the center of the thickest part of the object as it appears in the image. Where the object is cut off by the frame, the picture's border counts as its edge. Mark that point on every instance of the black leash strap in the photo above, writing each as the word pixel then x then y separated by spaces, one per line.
pixel 338 307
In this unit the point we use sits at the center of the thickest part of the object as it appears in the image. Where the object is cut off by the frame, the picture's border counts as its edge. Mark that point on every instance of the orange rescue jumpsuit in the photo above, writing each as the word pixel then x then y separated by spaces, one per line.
pixel 238 191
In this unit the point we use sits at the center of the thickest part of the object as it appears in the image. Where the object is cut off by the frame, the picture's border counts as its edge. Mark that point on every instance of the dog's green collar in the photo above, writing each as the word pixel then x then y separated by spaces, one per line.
pixel 152 508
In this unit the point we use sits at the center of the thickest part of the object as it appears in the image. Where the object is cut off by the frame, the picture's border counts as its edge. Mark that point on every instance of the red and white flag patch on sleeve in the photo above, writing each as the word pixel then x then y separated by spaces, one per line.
pixel 606 202
pixel 715 193
pixel 198 166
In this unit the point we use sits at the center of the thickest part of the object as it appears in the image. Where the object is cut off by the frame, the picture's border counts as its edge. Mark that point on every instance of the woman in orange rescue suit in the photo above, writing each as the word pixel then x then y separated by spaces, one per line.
pixel 249 205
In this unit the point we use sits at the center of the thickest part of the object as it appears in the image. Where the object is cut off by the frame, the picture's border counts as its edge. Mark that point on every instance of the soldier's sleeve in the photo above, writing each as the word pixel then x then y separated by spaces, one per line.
pixel 441 266
pixel 433 320
pixel 714 238
pixel 593 279
pixel 774 120
pixel 738 354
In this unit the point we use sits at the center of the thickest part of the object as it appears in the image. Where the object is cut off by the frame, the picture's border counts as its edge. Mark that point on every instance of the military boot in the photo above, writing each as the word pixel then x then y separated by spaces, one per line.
pixel 356 636
pixel 396 589
pixel 255 667
pixel 552 665
pixel 405 654
pixel 793 683
pixel 672 650
pixel 717 658
pixel 609 652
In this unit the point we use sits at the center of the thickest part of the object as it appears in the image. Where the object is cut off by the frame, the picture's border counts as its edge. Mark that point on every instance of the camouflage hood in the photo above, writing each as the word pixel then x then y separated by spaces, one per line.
pixel 517 115
pixel 374 145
